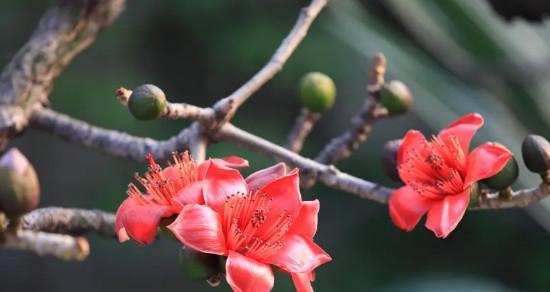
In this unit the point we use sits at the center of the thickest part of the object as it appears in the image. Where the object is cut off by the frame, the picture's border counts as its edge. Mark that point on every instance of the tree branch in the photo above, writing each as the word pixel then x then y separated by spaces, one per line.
pixel 61 246
pixel 112 142
pixel 70 221
pixel 328 175
pixel 63 32
pixel 302 127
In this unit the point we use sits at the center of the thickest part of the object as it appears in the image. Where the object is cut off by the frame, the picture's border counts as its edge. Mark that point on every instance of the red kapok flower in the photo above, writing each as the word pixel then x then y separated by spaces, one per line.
pixel 167 190
pixel 439 174
pixel 256 223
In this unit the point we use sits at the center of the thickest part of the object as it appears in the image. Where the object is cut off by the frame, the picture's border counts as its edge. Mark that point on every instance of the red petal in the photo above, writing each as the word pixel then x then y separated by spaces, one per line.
pixel 298 255
pixel 260 178
pixel 199 227
pixel 444 215
pixel 302 281
pixel 411 141
pixel 485 161
pixel 191 194
pixel 407 207
pixel 306 222
pixel 230 162
pixel 221 182
pixel 244 274
pixel 140 222
pixel 286 200
pixel 463 129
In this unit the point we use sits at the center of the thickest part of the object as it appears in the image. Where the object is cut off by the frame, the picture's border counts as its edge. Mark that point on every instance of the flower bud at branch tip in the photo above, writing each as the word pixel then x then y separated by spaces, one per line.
pixel 146 102
pixel 317 92
pixel 535 150
pixel 19 186
pixel 396 97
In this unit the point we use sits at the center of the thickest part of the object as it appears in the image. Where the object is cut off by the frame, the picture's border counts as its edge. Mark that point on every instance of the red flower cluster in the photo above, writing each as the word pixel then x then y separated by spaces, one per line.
pixel 167 191
pixel 439 175
pixel 256 222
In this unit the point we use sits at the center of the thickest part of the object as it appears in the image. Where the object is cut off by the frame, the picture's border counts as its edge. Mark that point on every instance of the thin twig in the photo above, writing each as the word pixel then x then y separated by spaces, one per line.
pixel 61 246
pixel 302 127
pixel 361 125
pixel 225 108
pixel 70 221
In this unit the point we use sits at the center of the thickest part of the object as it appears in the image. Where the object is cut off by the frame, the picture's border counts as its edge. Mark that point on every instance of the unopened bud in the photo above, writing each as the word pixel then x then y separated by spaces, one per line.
pixel 199 266
pixel 535 150
pixel 317 92
pixel 505 177
pixel 396 97
pixel 147 102
pixel 19 187
pixel 389 158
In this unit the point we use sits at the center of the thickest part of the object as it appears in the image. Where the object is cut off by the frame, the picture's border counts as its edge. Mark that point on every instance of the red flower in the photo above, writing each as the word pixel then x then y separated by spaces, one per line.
pixel 166 192
pixel 257 222
pixel 439 174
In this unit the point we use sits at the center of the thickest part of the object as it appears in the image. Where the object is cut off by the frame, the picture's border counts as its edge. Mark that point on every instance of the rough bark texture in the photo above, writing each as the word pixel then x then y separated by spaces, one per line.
pixel 63 32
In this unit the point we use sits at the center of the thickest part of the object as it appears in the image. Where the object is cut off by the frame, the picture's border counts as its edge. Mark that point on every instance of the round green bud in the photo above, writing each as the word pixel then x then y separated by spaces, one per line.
pixel 535 150
pixel 389 158
pixel 147 102
pixel 505 177
pixel 197 265
pixel 396 97
pixel 19 186
pixel 317 92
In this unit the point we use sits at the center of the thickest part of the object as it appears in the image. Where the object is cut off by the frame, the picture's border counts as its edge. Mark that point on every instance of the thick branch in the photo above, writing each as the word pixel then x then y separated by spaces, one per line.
pixel 226 107
pixel 302 127
pixel 62 246
pixel 112 142
pixel 70 221
pixel 63 32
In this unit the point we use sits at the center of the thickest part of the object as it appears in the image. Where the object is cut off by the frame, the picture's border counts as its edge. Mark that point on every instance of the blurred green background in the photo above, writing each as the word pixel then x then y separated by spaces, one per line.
pixel 457 56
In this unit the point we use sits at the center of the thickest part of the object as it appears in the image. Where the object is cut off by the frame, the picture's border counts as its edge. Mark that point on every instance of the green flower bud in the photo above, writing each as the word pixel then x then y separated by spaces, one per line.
pixel 317 92
pixel 535 150
pixel 505 177
pixel 396 97
pixel 147 102
pixel 389 158
pixel 19 187
pixel 199 266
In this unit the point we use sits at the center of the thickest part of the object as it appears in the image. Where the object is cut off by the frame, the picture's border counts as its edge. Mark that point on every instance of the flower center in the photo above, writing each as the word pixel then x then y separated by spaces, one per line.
pixel 249 228
pixel 162 184
pixel 435 168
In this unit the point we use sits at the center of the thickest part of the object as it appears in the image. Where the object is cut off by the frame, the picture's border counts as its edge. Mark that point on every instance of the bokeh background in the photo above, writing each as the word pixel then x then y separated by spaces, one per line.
pixel 457 56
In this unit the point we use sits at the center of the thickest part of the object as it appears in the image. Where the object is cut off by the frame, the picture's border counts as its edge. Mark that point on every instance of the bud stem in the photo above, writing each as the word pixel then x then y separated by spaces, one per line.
pixel 15 224
pixel 545 176
pixel 506 193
